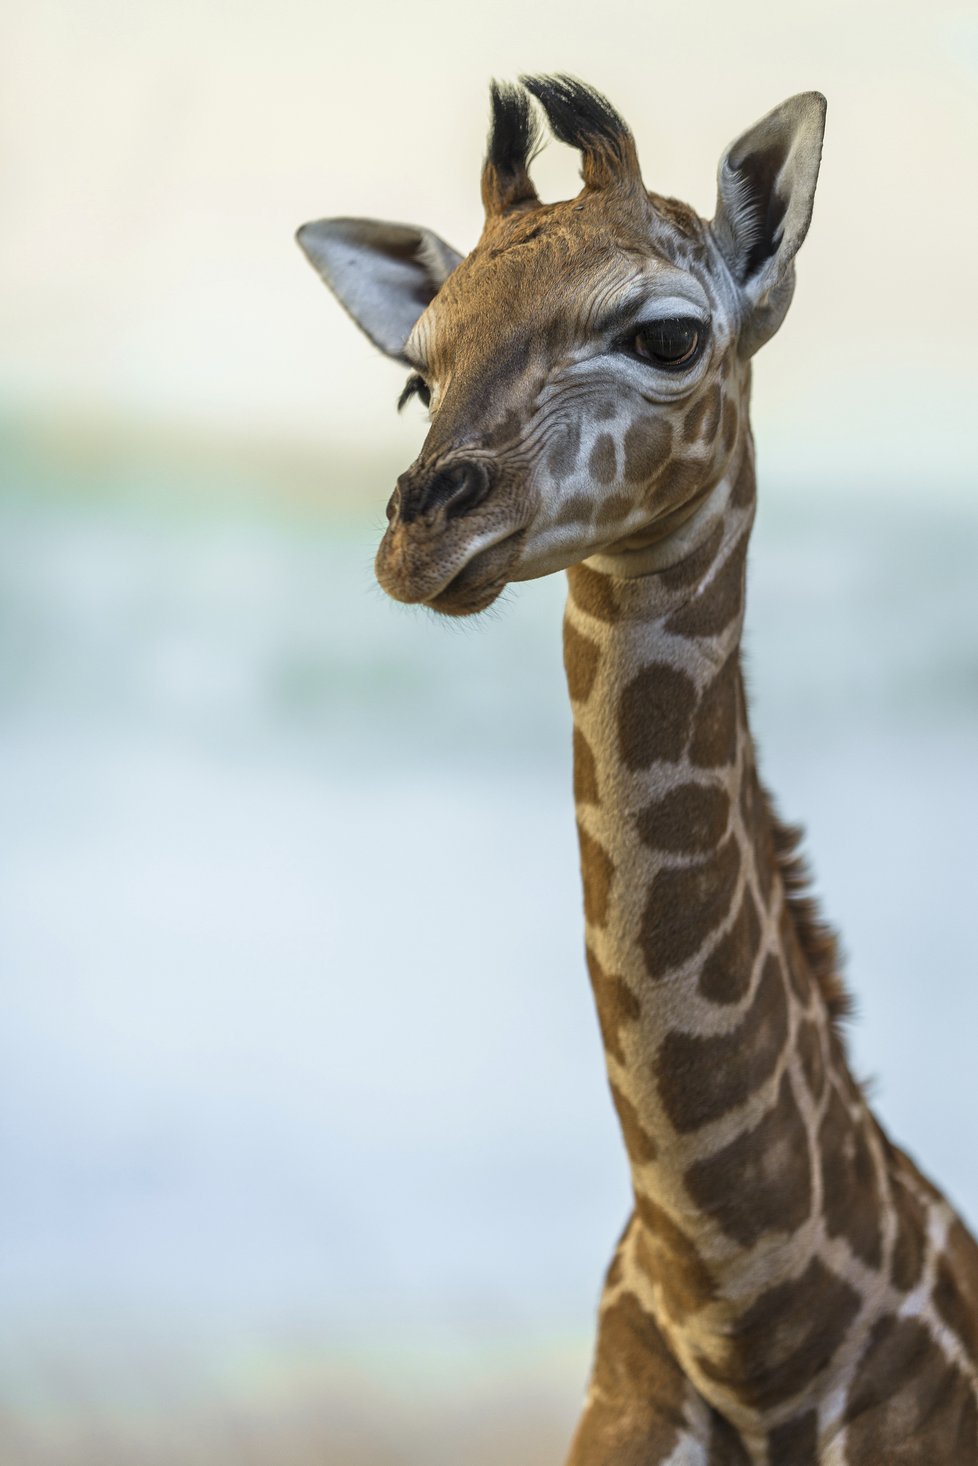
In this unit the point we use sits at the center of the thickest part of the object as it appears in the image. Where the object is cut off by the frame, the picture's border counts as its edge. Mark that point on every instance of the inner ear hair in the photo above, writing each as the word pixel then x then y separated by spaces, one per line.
pixel 757 210
pixel 766 189
pixel 765 193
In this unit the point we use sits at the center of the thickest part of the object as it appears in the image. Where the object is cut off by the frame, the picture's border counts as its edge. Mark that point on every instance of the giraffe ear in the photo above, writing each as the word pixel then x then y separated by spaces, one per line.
pixel 383 274
pixel 765 191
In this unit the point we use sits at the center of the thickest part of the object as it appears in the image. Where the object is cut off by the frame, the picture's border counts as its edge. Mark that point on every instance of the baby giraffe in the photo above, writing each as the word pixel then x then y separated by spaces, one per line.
pixel 789 1289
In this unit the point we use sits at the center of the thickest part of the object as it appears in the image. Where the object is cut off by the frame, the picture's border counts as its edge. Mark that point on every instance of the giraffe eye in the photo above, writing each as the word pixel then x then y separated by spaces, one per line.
pixel 415 386
pixel 670 344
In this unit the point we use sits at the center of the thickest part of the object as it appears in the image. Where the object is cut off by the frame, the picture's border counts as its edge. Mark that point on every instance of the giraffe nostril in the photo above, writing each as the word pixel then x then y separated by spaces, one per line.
pixel 445 488
pixel 456 490
pixel 465 487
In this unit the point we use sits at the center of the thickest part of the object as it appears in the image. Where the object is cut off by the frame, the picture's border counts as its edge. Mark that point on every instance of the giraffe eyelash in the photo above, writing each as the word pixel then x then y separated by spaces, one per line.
pixel 415 386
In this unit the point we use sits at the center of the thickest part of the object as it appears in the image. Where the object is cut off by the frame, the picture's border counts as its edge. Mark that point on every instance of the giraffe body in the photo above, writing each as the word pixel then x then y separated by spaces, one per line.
pixel 789 1289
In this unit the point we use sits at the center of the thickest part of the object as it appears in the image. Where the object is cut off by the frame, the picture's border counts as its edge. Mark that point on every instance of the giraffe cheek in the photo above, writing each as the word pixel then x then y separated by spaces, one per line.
pixel 702 418
pixel 679 481
pixel 613 510
pixel 647 447
pixel 603 461
pixel 562 457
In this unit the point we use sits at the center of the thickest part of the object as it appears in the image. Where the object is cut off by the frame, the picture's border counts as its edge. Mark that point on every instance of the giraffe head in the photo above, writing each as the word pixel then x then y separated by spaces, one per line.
pixel 586 366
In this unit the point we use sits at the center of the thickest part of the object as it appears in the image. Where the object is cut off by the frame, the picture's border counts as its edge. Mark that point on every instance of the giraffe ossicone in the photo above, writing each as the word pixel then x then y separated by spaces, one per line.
pixel 789 1289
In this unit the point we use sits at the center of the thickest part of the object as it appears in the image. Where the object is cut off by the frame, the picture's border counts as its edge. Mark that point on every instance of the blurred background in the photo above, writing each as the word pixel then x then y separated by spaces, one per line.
pixel 307 1153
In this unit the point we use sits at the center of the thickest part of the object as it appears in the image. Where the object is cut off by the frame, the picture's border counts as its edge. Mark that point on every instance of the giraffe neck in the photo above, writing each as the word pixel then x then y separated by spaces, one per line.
pixel 757 1170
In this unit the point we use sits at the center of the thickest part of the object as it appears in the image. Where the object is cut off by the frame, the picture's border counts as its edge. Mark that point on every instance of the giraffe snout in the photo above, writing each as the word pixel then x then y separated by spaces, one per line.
pixel 452 490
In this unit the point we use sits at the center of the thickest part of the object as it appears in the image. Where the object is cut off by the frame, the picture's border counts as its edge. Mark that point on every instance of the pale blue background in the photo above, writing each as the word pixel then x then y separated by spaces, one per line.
pixel 303 1098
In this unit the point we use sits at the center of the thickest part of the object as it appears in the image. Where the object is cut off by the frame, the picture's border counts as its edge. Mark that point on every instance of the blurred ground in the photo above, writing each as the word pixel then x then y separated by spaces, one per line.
pixel 306 1147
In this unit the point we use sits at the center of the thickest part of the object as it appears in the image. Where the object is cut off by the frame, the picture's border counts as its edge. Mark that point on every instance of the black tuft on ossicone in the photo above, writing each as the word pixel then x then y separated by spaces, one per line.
pixel 514 135
pixel 584 119
pixel 513 138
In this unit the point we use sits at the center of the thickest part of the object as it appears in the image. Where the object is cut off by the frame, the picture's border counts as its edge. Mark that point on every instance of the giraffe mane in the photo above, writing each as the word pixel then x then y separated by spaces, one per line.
pixel 817 939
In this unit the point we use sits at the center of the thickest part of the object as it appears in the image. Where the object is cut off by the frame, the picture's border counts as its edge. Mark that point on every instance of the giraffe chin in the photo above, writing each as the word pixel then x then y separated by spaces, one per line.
pixel 480 580
pixel 465 601
pixel 471 590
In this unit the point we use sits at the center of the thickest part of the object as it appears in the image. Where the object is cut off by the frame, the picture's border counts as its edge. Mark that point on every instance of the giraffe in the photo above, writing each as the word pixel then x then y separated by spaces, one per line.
pixel 789 1288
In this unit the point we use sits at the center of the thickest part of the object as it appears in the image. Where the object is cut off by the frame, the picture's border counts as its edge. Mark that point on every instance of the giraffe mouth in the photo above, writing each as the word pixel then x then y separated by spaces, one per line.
pixel 407 573
pixel 480 580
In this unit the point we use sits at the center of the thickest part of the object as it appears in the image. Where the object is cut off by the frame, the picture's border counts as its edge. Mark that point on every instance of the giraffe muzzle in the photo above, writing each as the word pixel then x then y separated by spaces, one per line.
pixel 449 492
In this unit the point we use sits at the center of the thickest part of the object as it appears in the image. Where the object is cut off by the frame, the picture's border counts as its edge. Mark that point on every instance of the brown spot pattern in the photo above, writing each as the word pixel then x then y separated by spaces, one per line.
pixel 581 657
pixel 727 971
pixel 603 464
pixel 760 1181
pixel 575 509
pixel 685 904
pixel 669 1258
pixel 725 1446
pixel 757 822
pixel 593 593
pixel 701 1079
pixel 597 871
pixel 702 418
pixel 677 483
pixel 562 458
pixel 714 741
pixel 795 1443
pixel 729 425
pixel 613 508
pixel 647 445
pixel 956 1288
pixel 640 1145
pixel 616 1005
pixel 908 1248
pixel 851 1201
pixel 908 1403
pixel 654 715
pixel 786 1339
pixel 616 1267
pixel 507 431
pixel 744 489
pixel 717 604
pixel 635 1413
pixel 809 1045
pixel 695 565
pixel 585 771
pixel 691 819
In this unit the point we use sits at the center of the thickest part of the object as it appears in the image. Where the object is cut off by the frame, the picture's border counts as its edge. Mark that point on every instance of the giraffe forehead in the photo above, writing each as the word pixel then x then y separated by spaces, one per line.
pixel 551 275
pixel 555 297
